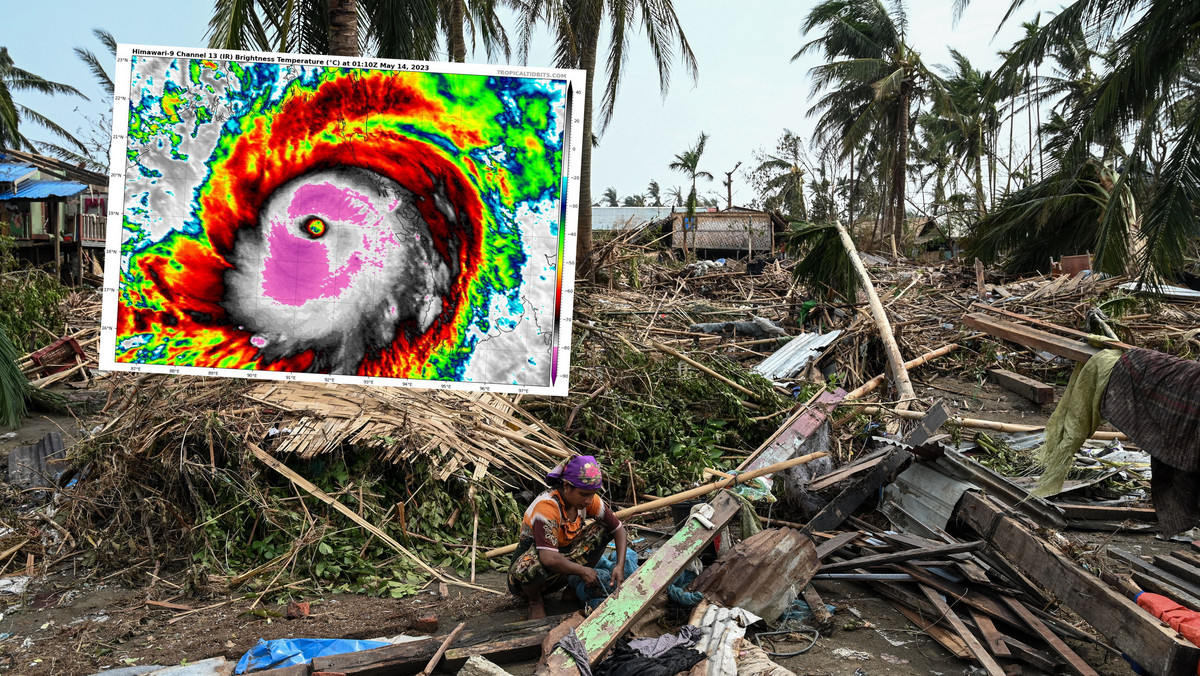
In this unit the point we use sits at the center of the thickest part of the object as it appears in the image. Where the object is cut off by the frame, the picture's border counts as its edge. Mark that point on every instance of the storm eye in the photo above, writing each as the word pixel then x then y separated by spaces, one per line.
pixel 314 227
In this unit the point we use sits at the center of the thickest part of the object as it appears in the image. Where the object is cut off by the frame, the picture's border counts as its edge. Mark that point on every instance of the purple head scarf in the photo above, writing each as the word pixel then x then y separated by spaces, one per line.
pixel 581 471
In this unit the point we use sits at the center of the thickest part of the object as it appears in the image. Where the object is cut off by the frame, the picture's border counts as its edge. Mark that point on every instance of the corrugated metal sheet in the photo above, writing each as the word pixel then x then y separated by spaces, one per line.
pixel 12 172
pixel 794 357
pixel 624 218
pixel 1167 290
pixel 40 190
pixel 727 230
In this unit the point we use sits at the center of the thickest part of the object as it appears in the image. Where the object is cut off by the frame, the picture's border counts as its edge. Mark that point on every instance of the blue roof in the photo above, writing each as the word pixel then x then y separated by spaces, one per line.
pixel 12 172
pixel 40 190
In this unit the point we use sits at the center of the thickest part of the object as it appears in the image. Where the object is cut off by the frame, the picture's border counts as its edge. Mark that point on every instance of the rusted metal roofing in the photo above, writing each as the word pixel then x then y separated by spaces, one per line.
pixel 14 171
pixel 40 190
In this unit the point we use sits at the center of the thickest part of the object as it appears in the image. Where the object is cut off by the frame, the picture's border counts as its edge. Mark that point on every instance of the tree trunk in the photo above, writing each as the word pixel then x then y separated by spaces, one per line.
pixel 900 168
pixel 583 249
pixel 850 194
pixel 980 199
pixel 896 369
pixel 456 44
pixel 343 27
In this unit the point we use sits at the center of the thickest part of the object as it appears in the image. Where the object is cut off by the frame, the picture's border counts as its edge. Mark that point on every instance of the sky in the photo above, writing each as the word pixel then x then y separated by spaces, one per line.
pixel 749 90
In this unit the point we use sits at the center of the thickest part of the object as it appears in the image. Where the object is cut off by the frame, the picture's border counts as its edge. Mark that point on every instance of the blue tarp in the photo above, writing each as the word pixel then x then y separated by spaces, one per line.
pixel 286 652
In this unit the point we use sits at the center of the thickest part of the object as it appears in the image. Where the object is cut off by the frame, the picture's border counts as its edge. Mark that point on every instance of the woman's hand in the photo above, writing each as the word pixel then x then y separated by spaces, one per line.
pixel 589 576
pixel 618 576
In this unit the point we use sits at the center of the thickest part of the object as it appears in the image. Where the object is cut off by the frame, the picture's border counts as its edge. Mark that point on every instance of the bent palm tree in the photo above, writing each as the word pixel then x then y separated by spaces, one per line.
pixel 1154 51
pixel 576 26
pixel 12 114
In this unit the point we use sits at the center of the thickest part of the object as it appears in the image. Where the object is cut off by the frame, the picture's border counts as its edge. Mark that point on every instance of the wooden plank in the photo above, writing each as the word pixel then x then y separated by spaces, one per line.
pixel 1033 338
pixel 294 670
pixel 961 594
pixel 994 638
pixel 791 435
pixel 1046 325
pixel 948 639
pixel 836 542
pixel 618 612
pixel 974 572
pixel 1152 584
pixel 1113 514
pixel 903 555
pixel 857 467
pixel 821 615
pixel 1179 568
pixel 833 514
pixel 1037 392
pixel 1140 565
pixel 505 644
pixel 1131 629
pixel 980 281
pixel 985 659
pixel 1073 660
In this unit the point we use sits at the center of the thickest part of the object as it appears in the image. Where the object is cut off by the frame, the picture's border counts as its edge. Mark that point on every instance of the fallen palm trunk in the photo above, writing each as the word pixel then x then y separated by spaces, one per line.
pixel 873 383
pixel 689 494
pixel 899 373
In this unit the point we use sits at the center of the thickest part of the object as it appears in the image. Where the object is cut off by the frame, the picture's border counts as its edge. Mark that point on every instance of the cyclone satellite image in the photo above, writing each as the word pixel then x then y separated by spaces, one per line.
pixel 341 220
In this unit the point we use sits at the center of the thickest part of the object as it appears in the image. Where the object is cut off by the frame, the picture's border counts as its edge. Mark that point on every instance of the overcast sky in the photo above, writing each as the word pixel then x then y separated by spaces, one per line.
pixel 748 91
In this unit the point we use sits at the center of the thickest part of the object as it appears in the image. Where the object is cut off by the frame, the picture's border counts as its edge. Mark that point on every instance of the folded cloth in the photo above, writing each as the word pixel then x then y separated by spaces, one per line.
pixel 1155 399
pixel 653 647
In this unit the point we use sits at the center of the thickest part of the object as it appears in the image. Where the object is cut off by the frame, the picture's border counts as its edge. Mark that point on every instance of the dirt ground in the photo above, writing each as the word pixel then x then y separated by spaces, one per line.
pixel 75 622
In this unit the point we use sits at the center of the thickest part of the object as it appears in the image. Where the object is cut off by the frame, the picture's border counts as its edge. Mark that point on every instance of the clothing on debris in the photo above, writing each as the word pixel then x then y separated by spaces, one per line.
pixel 625 661
pixel 1155 399
pixel 653 647
pixel 1075 418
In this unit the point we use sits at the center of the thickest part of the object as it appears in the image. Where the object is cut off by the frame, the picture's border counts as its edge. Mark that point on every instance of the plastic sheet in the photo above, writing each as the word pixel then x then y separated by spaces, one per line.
pixel 286 652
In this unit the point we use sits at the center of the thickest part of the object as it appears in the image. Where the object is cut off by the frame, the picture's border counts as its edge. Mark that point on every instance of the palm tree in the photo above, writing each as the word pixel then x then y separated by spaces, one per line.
pixel 634 201
pixel 576 26
pixel 688 162
pixel 675 194
pixel 12 114
pixel 408 30
pixel 655 193
pixel 96 136
pixel 779 177
pixel 872 79
pixel 968 120
pixel 610 197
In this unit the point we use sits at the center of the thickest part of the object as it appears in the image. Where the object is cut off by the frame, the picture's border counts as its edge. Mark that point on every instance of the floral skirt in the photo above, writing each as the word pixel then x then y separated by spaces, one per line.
pixel 527 568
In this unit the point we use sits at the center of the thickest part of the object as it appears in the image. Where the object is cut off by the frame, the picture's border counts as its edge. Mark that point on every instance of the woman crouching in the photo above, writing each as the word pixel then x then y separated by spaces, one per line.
pixel 555 541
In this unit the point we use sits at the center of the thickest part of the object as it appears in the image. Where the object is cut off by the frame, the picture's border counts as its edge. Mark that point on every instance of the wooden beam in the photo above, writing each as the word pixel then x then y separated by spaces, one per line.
pixel 852 497
pixel 509 643
pixel 994 638
pixel 985 659
pixel 836 542
pixel 1140 565
pixel 1073 659
pixel 1037 392
pixel 1134 631
pixel 618 612
pixel 1033 338
pixel 903 555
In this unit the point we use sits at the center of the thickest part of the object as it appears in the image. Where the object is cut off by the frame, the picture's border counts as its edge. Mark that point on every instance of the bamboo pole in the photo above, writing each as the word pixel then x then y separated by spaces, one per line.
pixel 899 375
pixel 689 494
pixel 873 383
pixel 993 425
pixel 704 369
